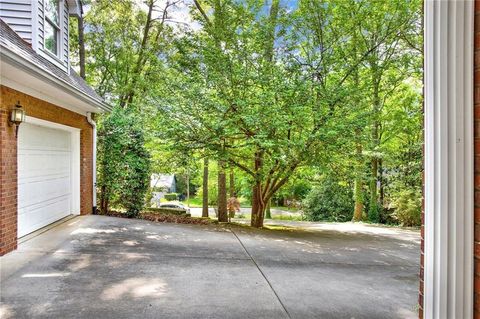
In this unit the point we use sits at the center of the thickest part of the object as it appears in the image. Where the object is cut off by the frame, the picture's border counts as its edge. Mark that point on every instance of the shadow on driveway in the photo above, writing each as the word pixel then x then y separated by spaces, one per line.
pixel 106 267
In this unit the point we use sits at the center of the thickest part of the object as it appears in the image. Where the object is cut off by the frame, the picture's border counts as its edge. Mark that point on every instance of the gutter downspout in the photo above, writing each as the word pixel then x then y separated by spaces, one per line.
pixel 94 162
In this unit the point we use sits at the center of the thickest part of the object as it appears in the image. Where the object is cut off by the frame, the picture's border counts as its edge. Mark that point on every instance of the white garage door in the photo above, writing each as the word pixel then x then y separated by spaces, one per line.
pixel 44 176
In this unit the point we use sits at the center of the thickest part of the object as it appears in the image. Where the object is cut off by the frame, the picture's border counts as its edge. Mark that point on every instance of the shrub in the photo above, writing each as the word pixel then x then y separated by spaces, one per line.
pixel 123 162
pixel 167 210
pixel 171 196
pixel 374 212
pixel 408 207
pixel 331 201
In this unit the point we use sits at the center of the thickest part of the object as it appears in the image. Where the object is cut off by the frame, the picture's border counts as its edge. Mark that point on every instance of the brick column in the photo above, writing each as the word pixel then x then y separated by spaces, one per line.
pixel 8 184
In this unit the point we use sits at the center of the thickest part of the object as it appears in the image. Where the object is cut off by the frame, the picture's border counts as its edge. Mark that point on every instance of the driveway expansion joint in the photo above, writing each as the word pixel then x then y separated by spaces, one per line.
pixel 262 273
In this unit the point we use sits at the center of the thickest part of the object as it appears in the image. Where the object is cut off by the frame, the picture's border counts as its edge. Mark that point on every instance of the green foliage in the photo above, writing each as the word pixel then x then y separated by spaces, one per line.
pixel 286 94
pixel 408 207
pixel 123 162
pixel 194 201
pixel 374 212
pixel 297 188
pixel 171 196
pixel 331 201
pixel 182 184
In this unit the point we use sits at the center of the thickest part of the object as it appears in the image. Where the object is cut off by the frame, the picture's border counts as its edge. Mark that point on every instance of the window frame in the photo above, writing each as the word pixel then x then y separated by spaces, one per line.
pixel 56 27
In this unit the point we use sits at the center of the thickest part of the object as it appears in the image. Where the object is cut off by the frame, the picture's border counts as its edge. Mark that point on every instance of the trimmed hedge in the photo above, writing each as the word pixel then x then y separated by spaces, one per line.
pixel 167 210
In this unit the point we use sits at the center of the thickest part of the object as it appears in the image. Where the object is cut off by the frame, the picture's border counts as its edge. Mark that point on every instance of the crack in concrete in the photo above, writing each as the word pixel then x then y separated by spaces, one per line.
pixel 262 273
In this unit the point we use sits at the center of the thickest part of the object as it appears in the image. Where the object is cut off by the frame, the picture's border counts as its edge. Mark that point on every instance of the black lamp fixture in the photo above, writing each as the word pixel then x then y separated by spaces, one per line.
pixel 17 116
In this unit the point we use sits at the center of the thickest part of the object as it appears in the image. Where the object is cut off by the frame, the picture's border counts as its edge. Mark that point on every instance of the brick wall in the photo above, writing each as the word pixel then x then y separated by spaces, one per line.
pixel 8 183
pixel 477 158
pixel 8 158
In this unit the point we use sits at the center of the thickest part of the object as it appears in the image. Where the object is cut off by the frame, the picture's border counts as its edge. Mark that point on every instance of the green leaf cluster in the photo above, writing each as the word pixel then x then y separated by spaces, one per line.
pixel 123 162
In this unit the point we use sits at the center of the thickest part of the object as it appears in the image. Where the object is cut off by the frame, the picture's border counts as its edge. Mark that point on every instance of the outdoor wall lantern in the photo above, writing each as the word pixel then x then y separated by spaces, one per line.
pixel 17 116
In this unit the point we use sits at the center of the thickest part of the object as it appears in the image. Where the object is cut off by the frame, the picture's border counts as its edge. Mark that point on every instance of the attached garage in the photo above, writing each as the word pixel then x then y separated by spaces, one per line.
pixel 47 168
pixel 48 174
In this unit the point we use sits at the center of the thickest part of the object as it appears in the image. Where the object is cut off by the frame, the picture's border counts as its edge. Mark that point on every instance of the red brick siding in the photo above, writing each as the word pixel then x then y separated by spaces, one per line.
pixel 8 157
pixel 8 183
pixel 477 158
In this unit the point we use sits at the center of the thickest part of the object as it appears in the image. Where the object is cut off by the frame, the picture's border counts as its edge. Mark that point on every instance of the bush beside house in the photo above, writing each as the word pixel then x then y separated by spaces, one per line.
pixel 123 163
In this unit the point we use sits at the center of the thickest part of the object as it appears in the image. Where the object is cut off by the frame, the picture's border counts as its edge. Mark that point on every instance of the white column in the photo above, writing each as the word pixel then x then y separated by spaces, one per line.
pixel 449 219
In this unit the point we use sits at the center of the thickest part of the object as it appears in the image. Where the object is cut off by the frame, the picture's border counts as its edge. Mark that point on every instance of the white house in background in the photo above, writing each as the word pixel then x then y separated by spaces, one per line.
pixel 162 184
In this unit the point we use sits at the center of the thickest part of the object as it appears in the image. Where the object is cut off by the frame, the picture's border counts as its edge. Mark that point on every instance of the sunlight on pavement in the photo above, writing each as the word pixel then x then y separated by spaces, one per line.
pixel 93 231
pixel 6 311
pixel 135 288
pixel 55 274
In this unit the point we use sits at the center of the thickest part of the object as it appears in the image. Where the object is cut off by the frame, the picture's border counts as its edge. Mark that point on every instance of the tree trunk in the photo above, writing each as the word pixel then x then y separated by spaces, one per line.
pixel 359 164
pixel 222 193
pixel 358 213
pixel 205 188
pixel 135 75
pixel 258 200
pixel 358 194
pixel 232 183
pixel 81 43
pixel 104 200
pixel 373 212
pixel 268 212
pixel 274 9
pixel 381 182
pixel 188 188
pixel 258 206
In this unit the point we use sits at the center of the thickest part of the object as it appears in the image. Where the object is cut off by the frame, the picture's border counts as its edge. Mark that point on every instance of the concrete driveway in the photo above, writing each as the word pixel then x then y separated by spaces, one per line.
pixel 105 267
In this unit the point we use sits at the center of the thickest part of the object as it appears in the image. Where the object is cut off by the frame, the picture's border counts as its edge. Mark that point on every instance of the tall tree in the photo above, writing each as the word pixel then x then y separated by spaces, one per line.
pixel 274 107
pixel 81 42
pixel 205 188
pixel 222 193
pixel 123 44
pixel 231 180
pixel 387 67
pixel 135 74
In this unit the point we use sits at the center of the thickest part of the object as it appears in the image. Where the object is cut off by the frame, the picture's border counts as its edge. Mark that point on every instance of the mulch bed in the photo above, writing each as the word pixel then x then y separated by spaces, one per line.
pixel 166 218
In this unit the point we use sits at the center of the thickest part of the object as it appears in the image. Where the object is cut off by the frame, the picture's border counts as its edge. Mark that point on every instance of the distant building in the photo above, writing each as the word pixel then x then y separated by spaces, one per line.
pixel 162 184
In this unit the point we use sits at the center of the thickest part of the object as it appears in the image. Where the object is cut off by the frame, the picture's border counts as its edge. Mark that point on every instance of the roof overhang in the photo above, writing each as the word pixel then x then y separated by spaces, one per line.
pixel 74 8
pixel 23 75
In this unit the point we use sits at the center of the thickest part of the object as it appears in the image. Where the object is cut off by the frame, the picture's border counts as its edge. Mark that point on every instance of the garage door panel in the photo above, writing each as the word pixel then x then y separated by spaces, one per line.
pixel 41 164
pixel 37 192
pixel 36 216
pixel 34 137
pixel 44 176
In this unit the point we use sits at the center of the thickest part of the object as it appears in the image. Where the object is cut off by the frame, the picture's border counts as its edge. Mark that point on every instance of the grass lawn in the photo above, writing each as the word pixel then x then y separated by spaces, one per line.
pixel 194 202
pixel 197 202
pixel 285 208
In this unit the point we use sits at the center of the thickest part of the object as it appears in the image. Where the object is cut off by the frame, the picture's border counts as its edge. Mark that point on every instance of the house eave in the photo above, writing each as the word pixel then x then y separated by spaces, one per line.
pixel 74 8
pixel 10 57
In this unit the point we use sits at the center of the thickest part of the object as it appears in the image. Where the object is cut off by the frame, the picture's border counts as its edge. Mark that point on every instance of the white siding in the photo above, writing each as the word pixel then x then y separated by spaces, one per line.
pixel 40 23
pixel 62 60
pixel 64 34
pixel 27 18
pixel 18 15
